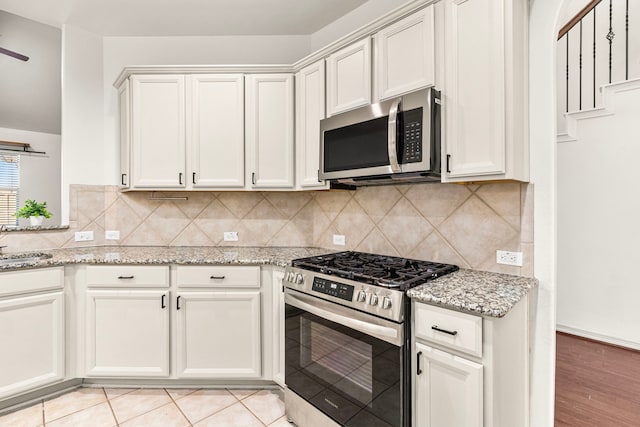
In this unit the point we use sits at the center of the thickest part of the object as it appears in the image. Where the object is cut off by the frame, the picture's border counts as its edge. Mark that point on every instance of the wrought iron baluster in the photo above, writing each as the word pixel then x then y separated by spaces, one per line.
pixel 626 31
pixel 594 56
pixel 610 37
pixel 567 75
pixel 580 71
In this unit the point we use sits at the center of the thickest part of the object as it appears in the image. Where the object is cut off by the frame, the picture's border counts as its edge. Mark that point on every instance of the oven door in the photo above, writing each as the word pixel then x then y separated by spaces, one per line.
pixel 346 363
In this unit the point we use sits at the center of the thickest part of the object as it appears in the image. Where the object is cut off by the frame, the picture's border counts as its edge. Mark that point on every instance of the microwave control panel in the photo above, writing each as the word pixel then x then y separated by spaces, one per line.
pixel 411 136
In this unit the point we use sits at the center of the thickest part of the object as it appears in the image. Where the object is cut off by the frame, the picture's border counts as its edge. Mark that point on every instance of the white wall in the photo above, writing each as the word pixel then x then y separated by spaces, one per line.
pixel 353 20
pixel 39 174
pixel 598 226
pixel 83 148
pixel 30 91
pixel 543 26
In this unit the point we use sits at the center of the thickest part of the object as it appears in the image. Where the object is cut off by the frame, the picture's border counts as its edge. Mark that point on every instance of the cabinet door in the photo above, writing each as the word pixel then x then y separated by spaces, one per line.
pixel 405 53
pixel 474 95
pixel 269 132
pixel 158 131
pixel 218 334
pixel 127 333
pixel 215 131
pixel 448 390
pixel 32 337
pixel 124 104
pixel 310 106
pixel 349 77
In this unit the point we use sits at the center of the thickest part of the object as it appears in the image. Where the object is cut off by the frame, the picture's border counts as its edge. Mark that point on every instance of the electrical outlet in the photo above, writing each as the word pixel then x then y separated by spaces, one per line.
pixel 84 236
pixel 339 239
pixel 230 236
pixel 112 235
pixel 509 258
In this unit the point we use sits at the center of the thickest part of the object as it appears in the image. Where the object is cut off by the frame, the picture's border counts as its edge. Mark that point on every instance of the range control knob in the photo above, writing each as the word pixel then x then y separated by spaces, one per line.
pixel 289 276
pixel 362 296
pixel 299 279
pixel 386 303
pixel 374 299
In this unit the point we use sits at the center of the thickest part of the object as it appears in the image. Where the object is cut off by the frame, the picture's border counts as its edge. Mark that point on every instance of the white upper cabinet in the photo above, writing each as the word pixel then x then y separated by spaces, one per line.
pixel 124 104
pixel 404 55
pixel 310 109
pixel 215 130
pixel 349 77
pixel 485 96
pixel 269 130
pixel 158 133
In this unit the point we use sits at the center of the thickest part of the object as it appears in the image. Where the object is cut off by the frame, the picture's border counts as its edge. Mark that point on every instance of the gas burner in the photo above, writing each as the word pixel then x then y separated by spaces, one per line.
pixel 378 270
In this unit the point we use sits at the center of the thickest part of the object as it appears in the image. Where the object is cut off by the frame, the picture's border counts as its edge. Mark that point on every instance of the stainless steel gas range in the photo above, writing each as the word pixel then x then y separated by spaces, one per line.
pixel 347 341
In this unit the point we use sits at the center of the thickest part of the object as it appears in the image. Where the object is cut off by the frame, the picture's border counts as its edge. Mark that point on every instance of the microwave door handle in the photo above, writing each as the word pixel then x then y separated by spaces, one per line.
pixel 392 135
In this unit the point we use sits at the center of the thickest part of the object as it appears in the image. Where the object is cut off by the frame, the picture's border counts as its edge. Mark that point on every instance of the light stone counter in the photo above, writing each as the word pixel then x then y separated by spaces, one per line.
pixel 476 292
pixel 185 255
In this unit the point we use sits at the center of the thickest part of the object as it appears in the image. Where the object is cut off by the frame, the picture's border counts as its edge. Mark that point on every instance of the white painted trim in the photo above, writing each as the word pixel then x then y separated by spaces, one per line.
pixel 364 31
pixel 598 337
pixel 200 69
pixel 607 108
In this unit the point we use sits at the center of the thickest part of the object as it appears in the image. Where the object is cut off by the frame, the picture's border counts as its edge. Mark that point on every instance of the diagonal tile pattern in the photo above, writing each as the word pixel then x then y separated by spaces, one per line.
pixel 111 407
pixel 459 224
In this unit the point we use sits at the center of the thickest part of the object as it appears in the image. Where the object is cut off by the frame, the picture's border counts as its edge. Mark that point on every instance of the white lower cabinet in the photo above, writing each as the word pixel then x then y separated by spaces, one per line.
pixel 32 330
pixel 218 334
pixel 127 333
pixel 32 334
pixel 470 371
pixel 448 390
pixel 218 322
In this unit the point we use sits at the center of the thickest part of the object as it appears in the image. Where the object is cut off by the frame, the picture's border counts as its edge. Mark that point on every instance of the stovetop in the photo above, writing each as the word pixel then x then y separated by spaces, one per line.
pixel 370 283
pixel 377 270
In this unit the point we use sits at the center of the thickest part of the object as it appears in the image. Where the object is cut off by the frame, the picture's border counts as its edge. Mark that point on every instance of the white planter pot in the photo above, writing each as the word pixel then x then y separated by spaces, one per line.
pixel 36 220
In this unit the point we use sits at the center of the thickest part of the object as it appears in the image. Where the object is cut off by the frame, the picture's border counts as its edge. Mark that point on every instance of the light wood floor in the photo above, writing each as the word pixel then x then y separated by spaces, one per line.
pixel 597 384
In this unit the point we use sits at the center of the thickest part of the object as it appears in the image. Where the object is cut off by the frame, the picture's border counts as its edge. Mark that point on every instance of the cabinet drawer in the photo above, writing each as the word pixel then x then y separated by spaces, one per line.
pixel 218 277
pixel 127 276
pixel 452 329
pixel 26 281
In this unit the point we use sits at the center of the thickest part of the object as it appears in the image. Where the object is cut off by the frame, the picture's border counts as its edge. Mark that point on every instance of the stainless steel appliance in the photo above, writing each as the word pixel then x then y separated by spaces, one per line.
pixel 394 141
pixel 347 341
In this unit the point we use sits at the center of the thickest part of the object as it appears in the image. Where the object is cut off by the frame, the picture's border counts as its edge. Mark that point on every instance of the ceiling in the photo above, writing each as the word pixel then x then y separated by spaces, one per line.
pixel 185 17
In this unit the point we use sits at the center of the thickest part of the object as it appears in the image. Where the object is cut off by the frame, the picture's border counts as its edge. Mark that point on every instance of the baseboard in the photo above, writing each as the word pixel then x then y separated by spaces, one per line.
pixel 598 337
pixel 45 393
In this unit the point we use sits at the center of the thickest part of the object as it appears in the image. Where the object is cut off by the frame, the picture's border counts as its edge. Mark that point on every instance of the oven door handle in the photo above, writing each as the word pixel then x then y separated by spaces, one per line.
pixel 386 333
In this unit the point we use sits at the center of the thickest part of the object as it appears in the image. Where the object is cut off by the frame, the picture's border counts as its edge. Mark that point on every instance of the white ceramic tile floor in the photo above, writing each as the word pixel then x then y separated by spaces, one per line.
pixel 131 407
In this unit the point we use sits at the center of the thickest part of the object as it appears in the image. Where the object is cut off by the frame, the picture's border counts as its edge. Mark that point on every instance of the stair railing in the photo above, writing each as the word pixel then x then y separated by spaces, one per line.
pixel 591 10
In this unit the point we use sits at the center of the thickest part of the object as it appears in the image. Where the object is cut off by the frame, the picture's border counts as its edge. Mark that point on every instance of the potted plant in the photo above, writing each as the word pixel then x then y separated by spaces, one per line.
pixel 36 212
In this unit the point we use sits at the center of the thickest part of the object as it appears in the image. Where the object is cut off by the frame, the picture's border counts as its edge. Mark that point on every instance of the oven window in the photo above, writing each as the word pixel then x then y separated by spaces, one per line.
pixel 350 376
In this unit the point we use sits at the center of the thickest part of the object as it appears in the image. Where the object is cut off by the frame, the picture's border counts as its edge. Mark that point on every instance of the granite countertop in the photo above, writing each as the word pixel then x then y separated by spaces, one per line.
pixel 476 292
pixel 186 255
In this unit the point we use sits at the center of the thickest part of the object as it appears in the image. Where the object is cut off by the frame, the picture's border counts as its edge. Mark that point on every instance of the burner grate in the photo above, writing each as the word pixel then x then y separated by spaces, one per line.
pixel 379 270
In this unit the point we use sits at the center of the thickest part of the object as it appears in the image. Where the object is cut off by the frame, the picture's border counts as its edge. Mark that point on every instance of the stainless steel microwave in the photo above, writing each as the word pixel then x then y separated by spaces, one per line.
pixel 394 141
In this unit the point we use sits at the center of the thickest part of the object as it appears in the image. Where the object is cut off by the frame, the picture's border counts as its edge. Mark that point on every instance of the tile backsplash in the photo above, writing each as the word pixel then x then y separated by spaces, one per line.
pixel 459 224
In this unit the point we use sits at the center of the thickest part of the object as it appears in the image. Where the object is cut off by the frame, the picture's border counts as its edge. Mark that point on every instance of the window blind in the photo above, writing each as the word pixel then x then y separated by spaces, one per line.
pixel 9 186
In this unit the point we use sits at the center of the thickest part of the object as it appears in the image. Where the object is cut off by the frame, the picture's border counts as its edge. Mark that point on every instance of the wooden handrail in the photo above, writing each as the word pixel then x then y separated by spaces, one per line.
pixel 583 12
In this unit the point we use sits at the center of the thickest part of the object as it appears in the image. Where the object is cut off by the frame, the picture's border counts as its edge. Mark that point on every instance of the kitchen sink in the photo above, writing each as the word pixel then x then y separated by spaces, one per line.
pixel 28 258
